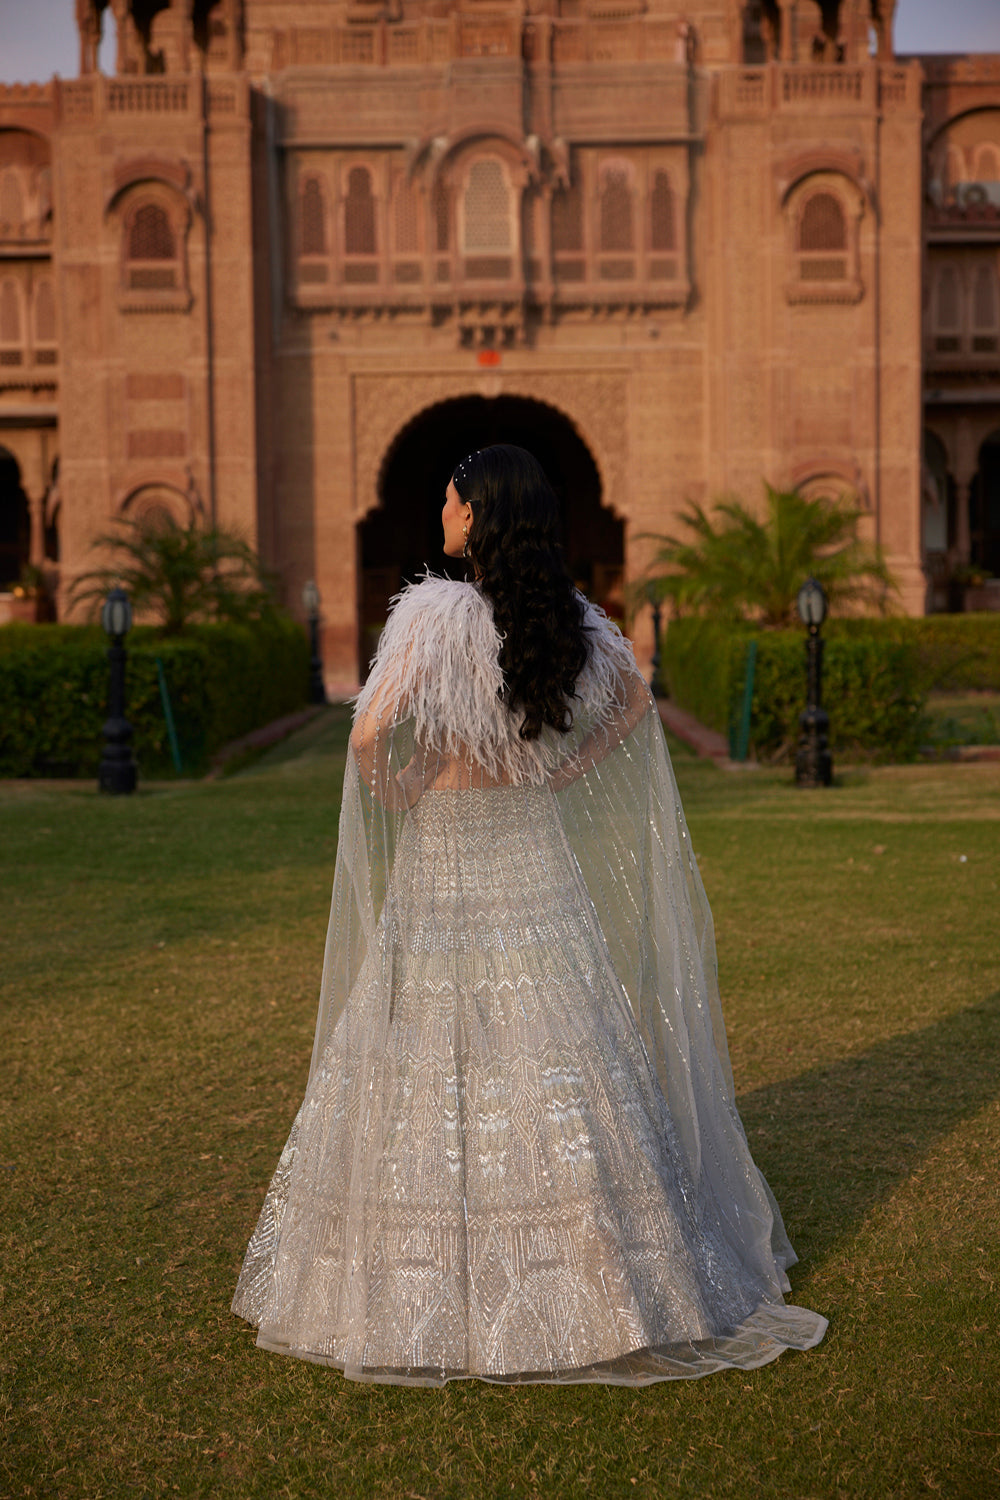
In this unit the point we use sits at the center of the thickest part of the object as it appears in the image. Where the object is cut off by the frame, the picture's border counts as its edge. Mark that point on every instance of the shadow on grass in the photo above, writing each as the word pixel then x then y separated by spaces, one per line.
pixel 838 1140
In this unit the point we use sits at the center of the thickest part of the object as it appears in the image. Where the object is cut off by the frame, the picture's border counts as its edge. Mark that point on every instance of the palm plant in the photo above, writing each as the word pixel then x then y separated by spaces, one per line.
pixel 179 574
pixel 739 566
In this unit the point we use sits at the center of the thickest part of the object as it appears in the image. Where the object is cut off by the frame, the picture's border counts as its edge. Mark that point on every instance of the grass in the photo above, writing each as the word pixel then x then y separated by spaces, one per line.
pixel 161 963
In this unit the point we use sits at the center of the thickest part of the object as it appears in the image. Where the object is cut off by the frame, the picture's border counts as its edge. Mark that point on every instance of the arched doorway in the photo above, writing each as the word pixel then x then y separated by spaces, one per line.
pixel 403 536
pixel 984 507
pixel 15 522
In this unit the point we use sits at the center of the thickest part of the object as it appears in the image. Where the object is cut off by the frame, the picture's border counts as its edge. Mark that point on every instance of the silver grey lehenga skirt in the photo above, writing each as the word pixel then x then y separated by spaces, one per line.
pixel 484 1179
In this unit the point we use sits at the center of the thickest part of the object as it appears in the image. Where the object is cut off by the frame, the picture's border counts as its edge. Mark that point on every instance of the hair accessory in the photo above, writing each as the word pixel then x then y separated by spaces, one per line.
pixel 460 474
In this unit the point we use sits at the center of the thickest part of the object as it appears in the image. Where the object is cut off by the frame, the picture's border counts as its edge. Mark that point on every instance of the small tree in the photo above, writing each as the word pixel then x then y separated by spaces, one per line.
pixel 736 565
pixel 179 574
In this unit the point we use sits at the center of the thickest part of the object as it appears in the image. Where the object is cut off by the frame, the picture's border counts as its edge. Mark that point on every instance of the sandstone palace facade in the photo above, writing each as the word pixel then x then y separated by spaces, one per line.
pixel 296 257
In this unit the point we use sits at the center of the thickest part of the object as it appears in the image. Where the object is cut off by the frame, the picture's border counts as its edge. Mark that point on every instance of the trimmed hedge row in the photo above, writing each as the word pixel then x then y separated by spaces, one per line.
pixel 956 653
pixel 222 681
pixel 876 676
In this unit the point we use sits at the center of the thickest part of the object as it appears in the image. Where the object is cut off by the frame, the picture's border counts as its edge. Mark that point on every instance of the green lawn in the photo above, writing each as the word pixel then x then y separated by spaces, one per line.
pixel 161 959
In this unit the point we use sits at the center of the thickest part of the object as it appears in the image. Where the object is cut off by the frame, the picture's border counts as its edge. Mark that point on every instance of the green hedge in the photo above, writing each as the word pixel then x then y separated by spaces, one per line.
pixel 873 686
pixel 956 653
pixel 223 681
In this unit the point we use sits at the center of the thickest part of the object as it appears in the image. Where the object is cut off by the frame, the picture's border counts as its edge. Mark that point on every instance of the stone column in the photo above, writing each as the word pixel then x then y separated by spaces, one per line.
pixel 786 52
pixel 36 509
pixel 966 463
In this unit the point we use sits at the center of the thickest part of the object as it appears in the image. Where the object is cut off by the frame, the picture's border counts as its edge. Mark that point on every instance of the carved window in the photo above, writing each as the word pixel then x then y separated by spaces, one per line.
pixel 313 262
pixel 823 216
pixel 616 233
pixel 442 217
pixel 360 246
pixel 312 218
pixel 985 310
pixel 153 264
pixel 406 232
pixel 44 322
pixel 616 210
pixel 567 233
pixel 406 218
pixel 662 229
pixel 11 204
pixel 661 214
pixel 11 324
pixel 822 239
pixel 359 213
pixel 488 235
pixel 151 250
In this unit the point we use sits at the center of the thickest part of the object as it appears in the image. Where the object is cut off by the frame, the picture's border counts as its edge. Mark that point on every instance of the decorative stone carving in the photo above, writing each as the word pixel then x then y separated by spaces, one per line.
pixel 594 401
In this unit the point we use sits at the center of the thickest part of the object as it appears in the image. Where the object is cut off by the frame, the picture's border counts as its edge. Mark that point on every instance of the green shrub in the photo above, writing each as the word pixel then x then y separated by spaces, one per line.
pixel 223 681
pixel 957 653
pixel 871 687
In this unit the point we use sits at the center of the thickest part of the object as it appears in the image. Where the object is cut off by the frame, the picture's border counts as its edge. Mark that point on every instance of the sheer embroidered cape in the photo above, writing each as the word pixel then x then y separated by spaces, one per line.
pixel 519 1155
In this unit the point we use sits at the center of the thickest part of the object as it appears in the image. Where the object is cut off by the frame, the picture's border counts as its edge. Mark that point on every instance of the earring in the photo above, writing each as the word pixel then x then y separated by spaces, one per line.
pixel 465 534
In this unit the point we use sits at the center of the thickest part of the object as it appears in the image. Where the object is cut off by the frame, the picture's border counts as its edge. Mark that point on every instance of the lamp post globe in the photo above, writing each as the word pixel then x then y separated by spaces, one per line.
pixel 813 762
pixel 311 603
pixel 117 772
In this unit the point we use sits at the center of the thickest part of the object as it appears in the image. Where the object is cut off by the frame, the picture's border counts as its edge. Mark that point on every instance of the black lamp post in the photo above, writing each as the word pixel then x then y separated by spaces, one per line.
pixel 311 600
pixel 117 771
pixel 655 684
pixel 813 765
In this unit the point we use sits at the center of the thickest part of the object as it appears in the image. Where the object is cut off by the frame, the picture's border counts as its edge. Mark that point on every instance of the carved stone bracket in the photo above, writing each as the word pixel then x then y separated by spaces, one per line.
pixel 595 403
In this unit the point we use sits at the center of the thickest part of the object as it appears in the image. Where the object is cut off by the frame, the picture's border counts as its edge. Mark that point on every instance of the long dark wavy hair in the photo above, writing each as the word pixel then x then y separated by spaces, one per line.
pixel 514 549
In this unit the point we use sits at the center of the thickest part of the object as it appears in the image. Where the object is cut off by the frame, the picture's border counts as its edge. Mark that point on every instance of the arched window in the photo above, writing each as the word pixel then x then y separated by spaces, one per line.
pixel 486 209
pixel 45 322
pixel 615 227
pixel 442 217
pixel 151 250
pixel 487 221
pixel 359 213
pixel 567 233
pixel 616 210
pixel 406 267
pixel 360 243
pixel 822 233
pixel 567 219
pixel 312 218
pixel 405 219
pixel 661 214
pixel 313 266
pixel 11 324
pixel 822 225
pixel 11 203
pixel 985 310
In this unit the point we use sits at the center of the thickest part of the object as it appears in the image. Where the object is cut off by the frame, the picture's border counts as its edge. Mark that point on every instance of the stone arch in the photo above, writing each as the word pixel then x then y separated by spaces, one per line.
pixel 594 403
pixel 152 501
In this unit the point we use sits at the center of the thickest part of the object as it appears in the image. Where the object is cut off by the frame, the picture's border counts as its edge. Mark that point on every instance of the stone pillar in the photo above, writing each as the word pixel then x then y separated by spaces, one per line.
pixel 966 464
pixel 89 26
pixel 786 53
pixel 36 508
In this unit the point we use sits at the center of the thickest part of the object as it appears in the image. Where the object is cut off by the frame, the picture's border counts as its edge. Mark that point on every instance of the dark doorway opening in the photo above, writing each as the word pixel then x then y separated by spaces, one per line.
pixel 984 508
pixel 402 538
pixel 15 521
